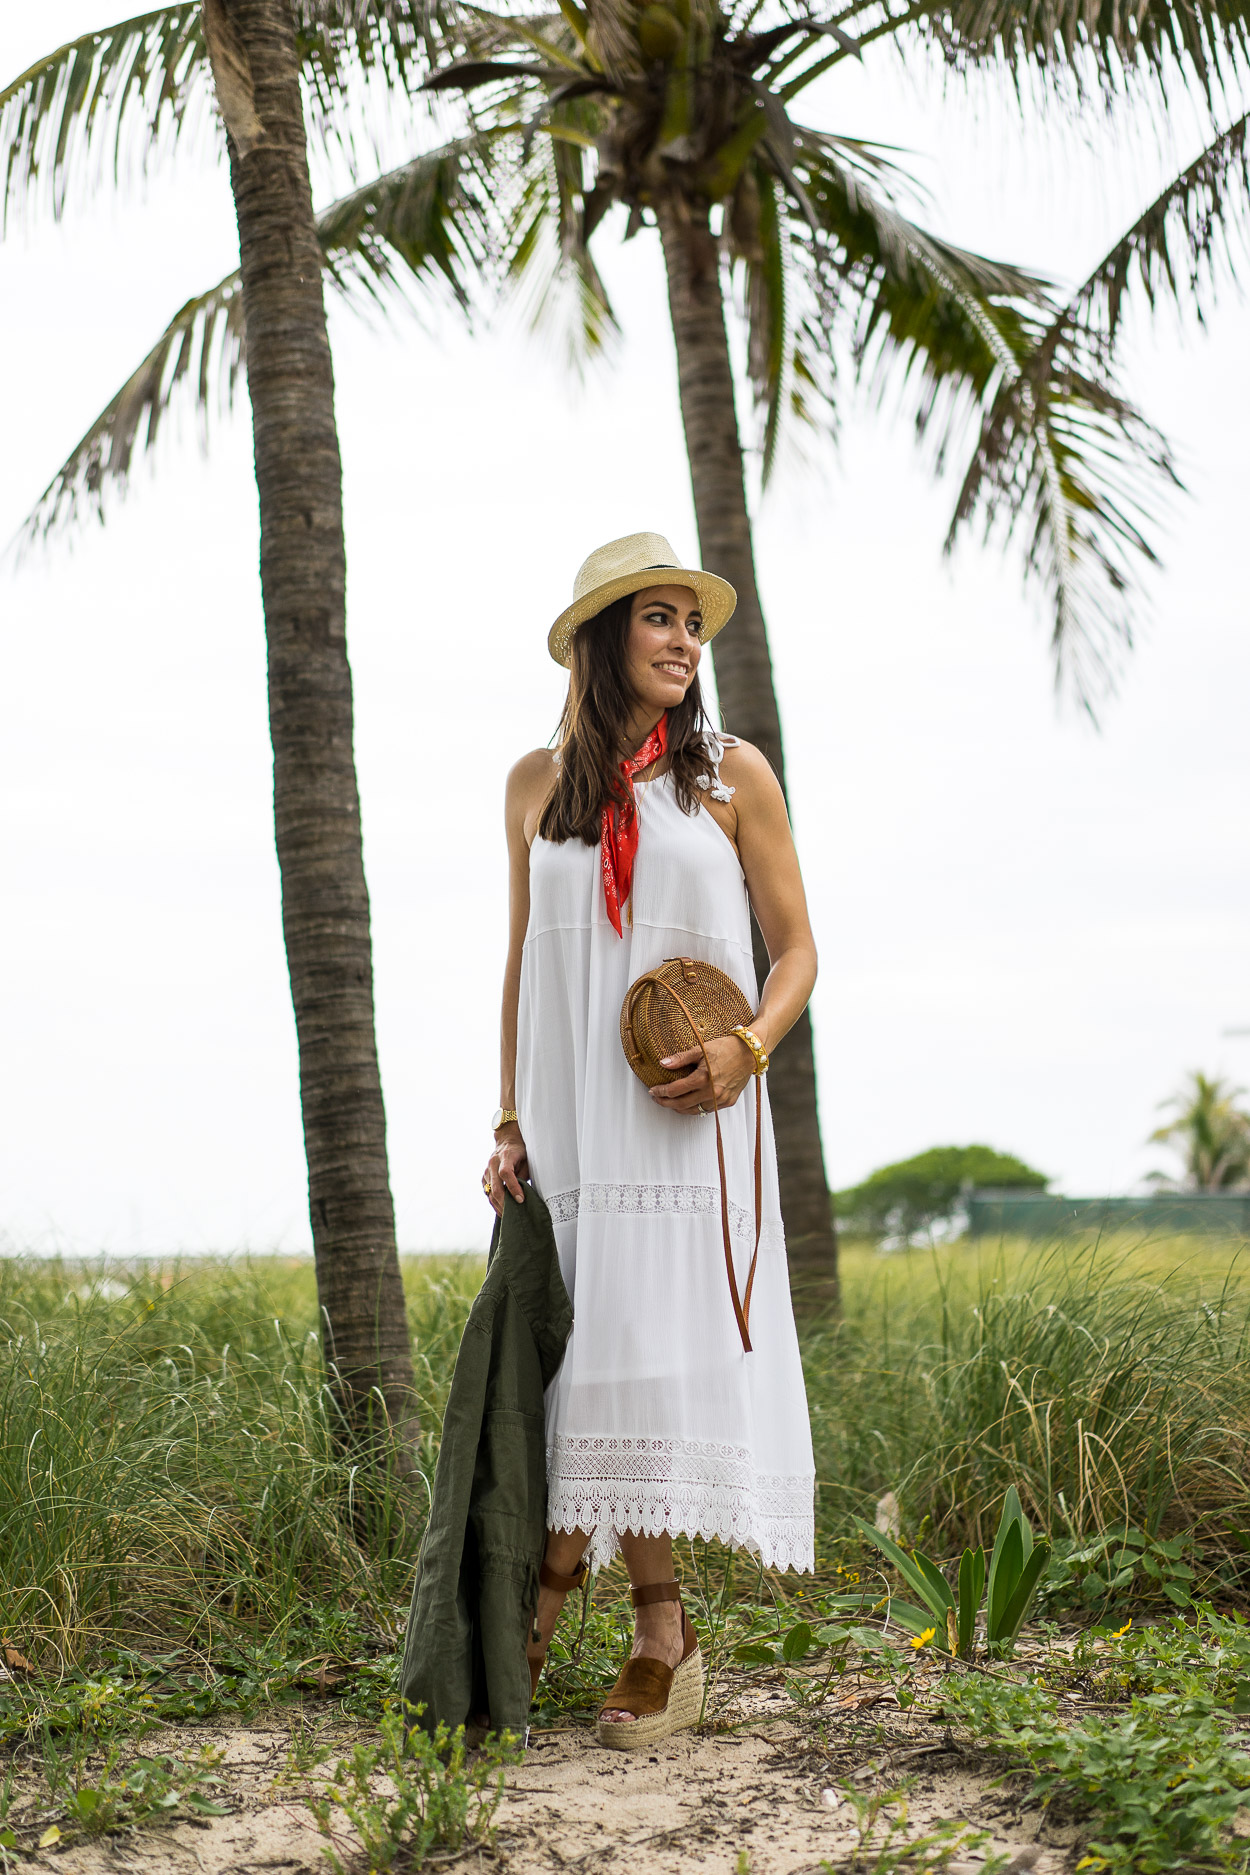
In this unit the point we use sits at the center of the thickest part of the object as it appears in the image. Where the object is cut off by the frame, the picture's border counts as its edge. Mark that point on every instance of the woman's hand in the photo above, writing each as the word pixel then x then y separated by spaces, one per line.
pixel 732 1067
pixel 508 1165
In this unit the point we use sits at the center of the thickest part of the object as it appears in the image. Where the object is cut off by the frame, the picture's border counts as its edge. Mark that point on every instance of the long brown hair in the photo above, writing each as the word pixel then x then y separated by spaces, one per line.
pixel 594 728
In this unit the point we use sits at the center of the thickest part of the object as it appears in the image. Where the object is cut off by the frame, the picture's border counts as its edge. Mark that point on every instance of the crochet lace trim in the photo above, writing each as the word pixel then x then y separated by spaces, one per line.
pixel 685 1487
pixel 659 1201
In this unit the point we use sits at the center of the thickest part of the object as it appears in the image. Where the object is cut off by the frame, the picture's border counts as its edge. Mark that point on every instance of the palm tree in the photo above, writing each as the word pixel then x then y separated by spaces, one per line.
pixel 1211 1132
pixel 251 49
pixel 682 114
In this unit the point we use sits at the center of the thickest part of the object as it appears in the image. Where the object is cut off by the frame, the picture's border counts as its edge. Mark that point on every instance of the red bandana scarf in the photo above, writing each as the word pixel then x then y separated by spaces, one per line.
pixel 618 841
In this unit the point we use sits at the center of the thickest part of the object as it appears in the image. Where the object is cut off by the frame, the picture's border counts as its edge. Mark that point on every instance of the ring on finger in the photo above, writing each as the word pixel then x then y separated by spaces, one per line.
pixel 486 1183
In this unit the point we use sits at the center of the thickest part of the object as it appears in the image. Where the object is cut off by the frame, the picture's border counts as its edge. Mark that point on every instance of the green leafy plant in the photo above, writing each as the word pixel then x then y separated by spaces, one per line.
pixel 883 1844
pixel 1116 1566
pixel 148 1790
pixel 1204 1655
pixel 308 1750
pixel 786 1648
pixel 440 1800
pixel 8 1835
pixel 1156 1786
pixel 949 1616
pixel 117 1795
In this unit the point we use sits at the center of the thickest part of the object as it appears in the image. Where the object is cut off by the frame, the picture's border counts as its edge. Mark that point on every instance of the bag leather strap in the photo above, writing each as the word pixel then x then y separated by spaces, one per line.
pixel 741 1304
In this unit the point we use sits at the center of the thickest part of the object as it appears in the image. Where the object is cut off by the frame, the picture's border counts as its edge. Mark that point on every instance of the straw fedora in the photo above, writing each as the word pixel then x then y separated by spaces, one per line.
pixel 629 565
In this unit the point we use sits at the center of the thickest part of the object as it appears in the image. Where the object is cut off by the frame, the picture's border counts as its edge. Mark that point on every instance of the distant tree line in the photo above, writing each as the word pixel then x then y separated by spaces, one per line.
pixel 1208 1129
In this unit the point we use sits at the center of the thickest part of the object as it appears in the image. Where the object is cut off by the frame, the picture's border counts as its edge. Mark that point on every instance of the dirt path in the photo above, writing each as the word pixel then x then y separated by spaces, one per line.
pixel 746 1802
pixel 728 1803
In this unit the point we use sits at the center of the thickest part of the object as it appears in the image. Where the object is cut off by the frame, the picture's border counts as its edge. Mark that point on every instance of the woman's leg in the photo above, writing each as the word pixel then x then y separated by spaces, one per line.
pixel 565 1549
pixel 657 1627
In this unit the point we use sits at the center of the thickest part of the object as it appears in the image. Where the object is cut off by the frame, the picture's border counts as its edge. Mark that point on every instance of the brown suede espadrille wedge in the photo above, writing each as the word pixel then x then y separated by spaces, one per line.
pixel 663 1699
pixel 550 1578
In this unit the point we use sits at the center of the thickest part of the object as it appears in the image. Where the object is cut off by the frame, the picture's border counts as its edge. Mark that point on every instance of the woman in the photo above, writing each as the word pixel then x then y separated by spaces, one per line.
pixel 639 840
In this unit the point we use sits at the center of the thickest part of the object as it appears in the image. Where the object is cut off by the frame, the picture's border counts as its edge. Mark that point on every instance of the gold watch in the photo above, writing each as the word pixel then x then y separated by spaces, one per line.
pixel 504 1116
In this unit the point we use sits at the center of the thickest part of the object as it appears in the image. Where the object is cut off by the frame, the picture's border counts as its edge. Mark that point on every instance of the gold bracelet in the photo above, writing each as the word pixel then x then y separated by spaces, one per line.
pixel 759 1054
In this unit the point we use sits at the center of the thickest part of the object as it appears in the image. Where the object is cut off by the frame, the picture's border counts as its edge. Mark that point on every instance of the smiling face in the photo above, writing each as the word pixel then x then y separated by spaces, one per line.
pixel 662 650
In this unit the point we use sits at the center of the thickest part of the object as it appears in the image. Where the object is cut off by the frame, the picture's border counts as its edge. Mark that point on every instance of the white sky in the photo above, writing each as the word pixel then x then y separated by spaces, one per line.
pixel 1028 930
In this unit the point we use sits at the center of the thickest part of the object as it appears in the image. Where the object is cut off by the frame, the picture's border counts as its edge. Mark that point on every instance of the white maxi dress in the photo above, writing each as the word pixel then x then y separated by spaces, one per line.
pixel 657 1419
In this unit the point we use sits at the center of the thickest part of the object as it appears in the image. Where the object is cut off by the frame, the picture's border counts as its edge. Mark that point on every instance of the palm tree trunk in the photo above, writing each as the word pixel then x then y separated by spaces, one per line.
pixel 744 679
pixel 325 901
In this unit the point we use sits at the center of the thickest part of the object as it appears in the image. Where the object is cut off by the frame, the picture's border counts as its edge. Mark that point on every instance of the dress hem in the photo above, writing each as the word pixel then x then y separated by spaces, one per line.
pixel 653 1487
pixel 605 1524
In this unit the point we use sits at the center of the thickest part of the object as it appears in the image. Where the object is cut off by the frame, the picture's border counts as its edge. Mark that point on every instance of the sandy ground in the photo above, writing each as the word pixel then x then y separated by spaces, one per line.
pixel 748 1801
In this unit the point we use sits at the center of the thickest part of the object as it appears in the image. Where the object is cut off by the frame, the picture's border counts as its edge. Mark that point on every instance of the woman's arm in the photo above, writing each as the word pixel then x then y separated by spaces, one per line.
pixel 527 788
pixel 757 823
pixel 775 887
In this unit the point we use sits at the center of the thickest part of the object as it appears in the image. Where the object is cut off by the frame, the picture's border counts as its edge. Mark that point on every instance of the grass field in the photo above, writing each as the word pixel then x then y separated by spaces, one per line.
pixel 168 1479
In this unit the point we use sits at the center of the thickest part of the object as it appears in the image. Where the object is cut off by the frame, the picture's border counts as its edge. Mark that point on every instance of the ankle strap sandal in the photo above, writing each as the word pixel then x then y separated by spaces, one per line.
pixel 662 1699
pixel 549 1578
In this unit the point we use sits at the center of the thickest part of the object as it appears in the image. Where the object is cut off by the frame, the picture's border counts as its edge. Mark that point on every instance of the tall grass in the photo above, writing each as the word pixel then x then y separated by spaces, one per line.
pixel 168 1475
pixel 1108 1382
pixel 167 1470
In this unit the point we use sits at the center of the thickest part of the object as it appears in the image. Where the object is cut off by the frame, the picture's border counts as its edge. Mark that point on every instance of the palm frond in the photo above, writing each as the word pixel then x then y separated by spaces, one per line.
pixel 201 349
pixel 1197 227
pixel 121 94
pixel 754 238
pixel 1064 456
pixel 862 237
pixel 468 74
pixel 1060 452
pixel 122 90
pixel 407 21
pixel 429 218
pixel 545 250
pixel 423 224
pixel 552 36
pixel 339 40
pixel 1198 43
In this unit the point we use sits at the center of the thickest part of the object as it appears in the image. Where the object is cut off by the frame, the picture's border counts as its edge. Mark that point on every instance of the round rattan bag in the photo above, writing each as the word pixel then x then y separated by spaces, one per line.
pixel 680 1005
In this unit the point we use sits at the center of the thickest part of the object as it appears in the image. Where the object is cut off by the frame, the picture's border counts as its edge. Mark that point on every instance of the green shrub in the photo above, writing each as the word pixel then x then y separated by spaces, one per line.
pixel 1155 1786
pixel 915 1194
pixel 435 1796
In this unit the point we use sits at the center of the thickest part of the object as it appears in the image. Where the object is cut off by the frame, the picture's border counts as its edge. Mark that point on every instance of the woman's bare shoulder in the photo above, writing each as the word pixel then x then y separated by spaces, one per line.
pixel 743 765
pixel 535 770
pixel 529 783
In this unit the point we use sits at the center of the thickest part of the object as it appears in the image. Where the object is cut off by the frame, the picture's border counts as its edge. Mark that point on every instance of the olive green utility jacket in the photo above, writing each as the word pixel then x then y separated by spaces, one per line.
pixel 477 1574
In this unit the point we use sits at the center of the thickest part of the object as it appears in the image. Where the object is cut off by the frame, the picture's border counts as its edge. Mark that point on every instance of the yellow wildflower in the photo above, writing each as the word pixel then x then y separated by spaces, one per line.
pixel 923 1638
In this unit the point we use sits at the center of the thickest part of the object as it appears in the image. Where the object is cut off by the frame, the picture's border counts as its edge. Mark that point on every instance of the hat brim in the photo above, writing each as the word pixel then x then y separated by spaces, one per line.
pixel 716 597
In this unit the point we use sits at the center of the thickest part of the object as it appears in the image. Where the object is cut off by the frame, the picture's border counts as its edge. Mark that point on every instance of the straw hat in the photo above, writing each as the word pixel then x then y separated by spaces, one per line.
pixel 629 565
